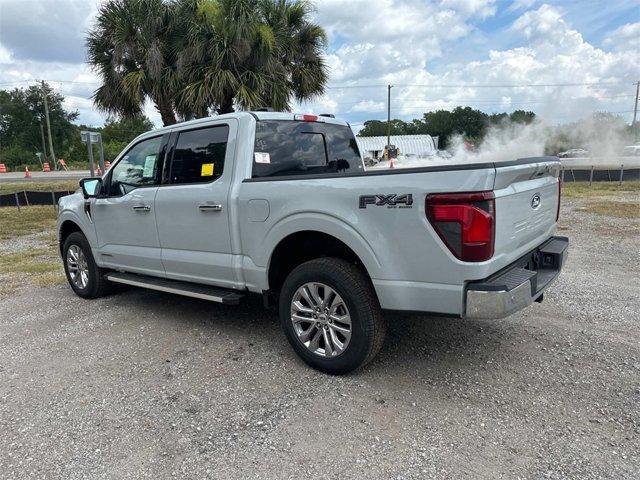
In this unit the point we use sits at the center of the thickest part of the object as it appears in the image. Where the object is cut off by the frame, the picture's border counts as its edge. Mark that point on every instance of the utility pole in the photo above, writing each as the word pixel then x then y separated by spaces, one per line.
pixel 635 112
pixel 44 144
pixel 101 152
pixel 46 115
pixel 389 114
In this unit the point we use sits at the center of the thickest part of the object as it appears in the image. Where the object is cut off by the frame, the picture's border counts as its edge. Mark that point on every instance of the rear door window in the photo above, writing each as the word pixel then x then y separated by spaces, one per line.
pixel 285 147
pixel 198 156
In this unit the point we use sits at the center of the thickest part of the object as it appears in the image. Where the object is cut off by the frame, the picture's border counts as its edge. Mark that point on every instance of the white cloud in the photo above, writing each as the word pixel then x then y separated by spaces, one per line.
pixel 372 44
pixel 368 106
pixel 521 5
pixel 472 8
pixel 548 50
pixel 45 30
pixel 625 38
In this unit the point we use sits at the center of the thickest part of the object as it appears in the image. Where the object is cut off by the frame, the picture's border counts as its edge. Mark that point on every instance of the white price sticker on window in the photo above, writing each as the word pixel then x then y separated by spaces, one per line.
pixel 262 157
pixel 149 164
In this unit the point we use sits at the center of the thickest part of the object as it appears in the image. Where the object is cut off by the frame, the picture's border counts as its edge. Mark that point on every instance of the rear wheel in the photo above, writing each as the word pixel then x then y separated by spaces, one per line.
pixel 84 276
pixel 331 315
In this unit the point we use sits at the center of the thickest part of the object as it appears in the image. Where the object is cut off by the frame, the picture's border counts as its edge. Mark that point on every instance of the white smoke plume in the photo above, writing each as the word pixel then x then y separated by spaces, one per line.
pixel 507 142
pixel 604 136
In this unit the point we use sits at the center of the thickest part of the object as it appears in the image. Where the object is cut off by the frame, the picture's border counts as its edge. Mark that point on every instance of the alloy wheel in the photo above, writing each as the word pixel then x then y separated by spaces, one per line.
pixel 77 267
pixel 321 319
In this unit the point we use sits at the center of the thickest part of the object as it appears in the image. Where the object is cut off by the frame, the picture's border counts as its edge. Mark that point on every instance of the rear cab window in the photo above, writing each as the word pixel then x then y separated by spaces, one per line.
pixel 292 147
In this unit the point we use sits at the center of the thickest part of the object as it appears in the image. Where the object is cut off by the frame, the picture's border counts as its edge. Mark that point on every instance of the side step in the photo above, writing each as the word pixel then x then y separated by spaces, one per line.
pixel 204 292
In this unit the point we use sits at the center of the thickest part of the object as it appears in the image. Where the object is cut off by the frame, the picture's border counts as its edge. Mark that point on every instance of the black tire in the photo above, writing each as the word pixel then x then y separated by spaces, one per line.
pixel 368 326
pixel 97 286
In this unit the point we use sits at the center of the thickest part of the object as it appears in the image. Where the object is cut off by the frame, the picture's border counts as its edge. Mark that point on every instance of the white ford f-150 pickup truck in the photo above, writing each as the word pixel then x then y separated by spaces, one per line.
pixel 280 204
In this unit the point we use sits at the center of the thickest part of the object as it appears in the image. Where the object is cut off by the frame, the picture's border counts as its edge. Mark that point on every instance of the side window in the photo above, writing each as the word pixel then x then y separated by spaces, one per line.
pixel 285 147
pixel 138 168
pixel 199 155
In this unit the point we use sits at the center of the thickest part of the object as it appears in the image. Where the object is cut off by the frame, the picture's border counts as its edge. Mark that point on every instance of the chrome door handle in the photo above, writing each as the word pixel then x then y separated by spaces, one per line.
pixel 142 208
pixel 207 207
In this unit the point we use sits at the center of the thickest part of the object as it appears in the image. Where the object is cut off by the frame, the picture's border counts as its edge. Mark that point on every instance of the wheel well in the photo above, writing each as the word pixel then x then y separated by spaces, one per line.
pixel 66 229
pixel 301 247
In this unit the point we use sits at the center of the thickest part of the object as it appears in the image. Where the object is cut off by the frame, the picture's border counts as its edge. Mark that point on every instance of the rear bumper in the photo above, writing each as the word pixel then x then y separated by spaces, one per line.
pixel 518 285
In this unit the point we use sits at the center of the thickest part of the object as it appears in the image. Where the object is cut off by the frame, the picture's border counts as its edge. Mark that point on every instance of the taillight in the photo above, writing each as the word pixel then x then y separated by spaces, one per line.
pixel 465 222
pixel 559 195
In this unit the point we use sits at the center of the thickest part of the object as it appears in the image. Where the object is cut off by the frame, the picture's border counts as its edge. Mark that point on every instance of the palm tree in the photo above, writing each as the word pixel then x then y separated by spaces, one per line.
pixel 191 57
pixel 129 47
pixel 249 53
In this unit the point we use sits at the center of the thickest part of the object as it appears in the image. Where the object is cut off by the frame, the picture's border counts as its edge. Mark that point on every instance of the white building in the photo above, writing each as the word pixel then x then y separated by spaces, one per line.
pixel 421 145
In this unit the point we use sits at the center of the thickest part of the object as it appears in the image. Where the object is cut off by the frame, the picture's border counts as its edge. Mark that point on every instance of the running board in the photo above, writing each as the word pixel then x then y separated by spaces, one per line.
pixel 187 289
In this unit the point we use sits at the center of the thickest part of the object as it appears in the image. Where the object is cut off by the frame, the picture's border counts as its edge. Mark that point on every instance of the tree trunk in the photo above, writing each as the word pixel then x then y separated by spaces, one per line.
pixel 166 112
pixel 227 105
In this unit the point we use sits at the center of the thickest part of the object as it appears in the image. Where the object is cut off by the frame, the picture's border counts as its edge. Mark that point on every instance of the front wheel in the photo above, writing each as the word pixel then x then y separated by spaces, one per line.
pixel 84 276
pixel 331 315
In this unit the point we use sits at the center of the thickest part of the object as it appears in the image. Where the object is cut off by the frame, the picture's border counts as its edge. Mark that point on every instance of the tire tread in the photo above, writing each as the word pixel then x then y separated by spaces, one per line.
pixel 364 294
pixel 100 286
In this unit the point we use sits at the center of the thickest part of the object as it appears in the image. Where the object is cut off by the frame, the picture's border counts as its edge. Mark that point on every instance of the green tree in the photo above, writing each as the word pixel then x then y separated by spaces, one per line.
pixel 125 129
pixel 131 49
pixel 22 113
pixel 377 128
pixel 248 54
pixel 439 124
pixel 469 122
pixel 521 116
pixel 498 118
pixel 190 57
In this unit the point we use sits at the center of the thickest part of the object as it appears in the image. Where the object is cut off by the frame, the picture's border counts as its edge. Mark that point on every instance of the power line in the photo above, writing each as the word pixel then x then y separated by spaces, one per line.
pixel 479 85
pixel 526 85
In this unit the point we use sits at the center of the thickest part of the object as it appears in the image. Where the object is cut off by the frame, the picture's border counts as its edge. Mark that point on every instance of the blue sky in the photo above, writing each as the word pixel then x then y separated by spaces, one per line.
pixel 474 43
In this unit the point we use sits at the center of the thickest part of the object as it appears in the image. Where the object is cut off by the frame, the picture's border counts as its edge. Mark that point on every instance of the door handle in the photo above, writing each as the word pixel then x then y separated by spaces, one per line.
pixel 142 208
pixel 207 207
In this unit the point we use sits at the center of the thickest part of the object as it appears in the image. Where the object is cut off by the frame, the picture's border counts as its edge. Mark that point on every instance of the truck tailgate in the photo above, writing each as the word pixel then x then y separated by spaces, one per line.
pixel 527 195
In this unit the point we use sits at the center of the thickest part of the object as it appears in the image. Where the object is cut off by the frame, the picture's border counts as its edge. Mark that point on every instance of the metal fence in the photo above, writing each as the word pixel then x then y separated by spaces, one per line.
pixel 26 198
pixel 595 173
pixel 599 173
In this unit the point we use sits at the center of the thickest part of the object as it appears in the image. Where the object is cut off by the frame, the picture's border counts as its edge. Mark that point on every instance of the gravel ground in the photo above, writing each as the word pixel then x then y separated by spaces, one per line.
pixel 145 385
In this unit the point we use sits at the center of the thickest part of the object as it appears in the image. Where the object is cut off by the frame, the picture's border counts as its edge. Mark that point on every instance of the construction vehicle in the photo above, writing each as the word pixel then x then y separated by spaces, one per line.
pixel 391 152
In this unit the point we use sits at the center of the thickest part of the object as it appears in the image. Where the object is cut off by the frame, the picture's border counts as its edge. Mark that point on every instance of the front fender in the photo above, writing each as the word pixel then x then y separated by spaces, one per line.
pixel 71 209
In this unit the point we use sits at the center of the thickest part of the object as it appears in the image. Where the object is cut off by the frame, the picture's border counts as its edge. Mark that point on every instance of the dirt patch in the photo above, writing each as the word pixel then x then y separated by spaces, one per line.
pixel 613 209
pixel 148 385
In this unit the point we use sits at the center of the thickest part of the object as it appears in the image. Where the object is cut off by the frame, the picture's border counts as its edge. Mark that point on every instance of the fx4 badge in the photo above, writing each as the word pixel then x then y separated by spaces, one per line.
pixel 391 201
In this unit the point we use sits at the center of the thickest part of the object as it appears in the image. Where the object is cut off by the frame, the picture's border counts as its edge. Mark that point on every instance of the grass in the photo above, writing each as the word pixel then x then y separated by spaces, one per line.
pixel 613 209
pixel 39 266
pixel 56 186
pixel 598 189
pixel 33 260
pixel 27 220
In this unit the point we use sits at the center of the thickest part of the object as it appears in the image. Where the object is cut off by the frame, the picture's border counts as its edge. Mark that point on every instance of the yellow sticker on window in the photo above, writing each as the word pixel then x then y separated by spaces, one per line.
pixel 207 170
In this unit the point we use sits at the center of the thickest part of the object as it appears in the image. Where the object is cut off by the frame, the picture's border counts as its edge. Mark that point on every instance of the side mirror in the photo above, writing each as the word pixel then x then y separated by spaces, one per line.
pixel 91 187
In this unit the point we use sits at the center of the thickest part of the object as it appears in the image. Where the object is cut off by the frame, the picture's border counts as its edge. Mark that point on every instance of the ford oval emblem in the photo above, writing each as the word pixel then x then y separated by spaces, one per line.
pixel 535 201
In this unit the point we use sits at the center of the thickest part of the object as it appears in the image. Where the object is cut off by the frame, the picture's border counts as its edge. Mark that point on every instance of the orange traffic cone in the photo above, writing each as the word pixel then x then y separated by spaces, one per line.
pixel 3 168
pixel 26 172
pixel 45 167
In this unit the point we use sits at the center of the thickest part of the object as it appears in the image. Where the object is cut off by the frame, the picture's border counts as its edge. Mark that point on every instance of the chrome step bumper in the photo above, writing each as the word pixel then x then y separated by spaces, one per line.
pixel 519 285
